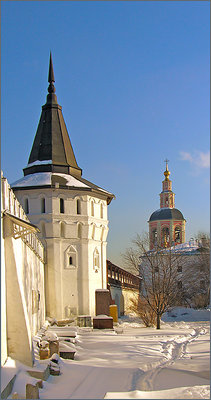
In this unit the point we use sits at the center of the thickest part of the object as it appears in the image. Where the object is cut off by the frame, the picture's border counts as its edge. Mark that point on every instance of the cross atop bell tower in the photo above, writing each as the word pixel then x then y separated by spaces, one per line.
pixel 167 196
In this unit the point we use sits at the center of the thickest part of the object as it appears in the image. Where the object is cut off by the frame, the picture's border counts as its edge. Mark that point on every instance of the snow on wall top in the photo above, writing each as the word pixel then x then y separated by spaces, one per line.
pixel 187 246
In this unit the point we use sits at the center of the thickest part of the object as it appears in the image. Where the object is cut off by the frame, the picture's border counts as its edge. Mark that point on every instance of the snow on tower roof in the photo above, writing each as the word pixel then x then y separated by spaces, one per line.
pixel 48 179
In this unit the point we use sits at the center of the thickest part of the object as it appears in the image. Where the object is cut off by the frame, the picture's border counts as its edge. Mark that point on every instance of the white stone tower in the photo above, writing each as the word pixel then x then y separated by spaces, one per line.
pixel 70 212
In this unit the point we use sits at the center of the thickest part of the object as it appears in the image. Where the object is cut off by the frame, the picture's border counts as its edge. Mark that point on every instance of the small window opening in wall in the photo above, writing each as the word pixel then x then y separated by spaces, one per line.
pixel 38 298
pixel 70 260
pixel 26 206
pixel 43 206
pixel 177 234
pixel 62 206
pixel 78 207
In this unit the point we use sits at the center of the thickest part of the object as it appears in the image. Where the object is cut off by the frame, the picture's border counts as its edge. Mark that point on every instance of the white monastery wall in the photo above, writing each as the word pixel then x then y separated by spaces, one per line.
pixel 129 294
pixel 23 263
pixel 122 297
pixel 3 302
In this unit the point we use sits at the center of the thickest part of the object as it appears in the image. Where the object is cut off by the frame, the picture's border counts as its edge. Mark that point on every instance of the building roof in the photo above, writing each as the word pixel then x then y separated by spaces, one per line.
pixel 193 247
pixel 52 149
pixel 52 159
pixel 166 213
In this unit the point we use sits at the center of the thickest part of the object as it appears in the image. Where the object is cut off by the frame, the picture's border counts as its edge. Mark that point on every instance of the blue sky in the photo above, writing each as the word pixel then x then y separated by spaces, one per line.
pixel 133 81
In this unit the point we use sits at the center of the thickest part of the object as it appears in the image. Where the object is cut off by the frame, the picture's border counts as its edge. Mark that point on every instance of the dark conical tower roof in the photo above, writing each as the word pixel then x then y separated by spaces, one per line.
pixel 52 150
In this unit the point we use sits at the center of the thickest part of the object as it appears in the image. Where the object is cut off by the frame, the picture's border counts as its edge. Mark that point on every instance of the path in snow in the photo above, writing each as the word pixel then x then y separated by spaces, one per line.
pixel 141 362
pixel 172 350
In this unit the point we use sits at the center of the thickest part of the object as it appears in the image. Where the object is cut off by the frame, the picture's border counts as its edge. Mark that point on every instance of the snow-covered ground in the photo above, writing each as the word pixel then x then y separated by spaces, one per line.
pixel 134 362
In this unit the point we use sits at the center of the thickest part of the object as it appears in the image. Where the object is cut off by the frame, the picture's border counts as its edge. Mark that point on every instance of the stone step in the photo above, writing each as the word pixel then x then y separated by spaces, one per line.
pixel 41 372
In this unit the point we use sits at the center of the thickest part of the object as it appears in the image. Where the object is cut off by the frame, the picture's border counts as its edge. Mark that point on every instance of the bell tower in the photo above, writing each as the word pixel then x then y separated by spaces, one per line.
pixel 167 196
pixel 166 225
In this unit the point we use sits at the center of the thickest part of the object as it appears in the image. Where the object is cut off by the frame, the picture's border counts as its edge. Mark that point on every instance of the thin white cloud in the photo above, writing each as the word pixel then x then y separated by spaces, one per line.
pixel 198 159
pixel 186 156
pixel 204 160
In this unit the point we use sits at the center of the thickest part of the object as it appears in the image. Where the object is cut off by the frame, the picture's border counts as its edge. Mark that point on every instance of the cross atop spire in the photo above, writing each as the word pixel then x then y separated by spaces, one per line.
pixel 166 173
pixel 166 161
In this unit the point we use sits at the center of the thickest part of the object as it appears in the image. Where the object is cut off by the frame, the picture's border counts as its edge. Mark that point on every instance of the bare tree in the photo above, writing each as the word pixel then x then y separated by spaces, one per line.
pixel 158 270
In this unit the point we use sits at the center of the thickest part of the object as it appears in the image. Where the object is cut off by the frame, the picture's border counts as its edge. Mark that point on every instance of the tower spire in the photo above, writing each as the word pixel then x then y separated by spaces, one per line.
pixel 167 172
pixel 51 97
pixel 52 150
pixel 167 196
pixel 51 79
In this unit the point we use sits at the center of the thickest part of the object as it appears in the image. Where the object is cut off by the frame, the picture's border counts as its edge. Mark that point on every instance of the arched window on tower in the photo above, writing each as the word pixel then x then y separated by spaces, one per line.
pixel 154 237
pixel 78 205
pixel 26 206
pixel 62 206
pixel 71 258
pixel 43 205
pixel 166 202
pixel 177 234
pixel 165 237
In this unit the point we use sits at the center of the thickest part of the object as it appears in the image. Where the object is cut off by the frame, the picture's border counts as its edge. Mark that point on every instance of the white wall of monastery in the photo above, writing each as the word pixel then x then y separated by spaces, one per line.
pixel 3 302
pixel 122 297
pixel 23 263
